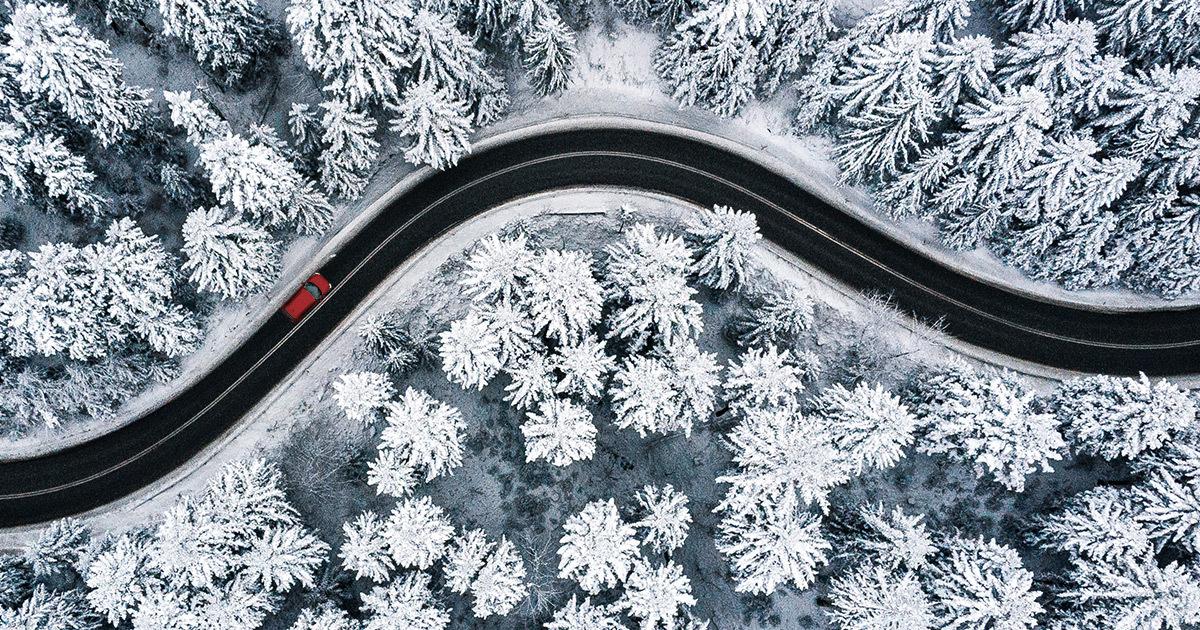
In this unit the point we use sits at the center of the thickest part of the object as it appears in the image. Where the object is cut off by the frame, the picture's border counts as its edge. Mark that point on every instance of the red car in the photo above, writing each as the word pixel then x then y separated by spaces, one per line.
pixel 313 289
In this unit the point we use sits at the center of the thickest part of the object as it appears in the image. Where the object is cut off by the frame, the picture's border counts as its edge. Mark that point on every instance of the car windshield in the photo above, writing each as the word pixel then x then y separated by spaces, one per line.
pixel 312 290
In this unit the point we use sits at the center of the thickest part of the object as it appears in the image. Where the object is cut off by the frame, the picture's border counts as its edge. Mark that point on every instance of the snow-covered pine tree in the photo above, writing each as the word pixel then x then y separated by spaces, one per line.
pixel 999 141
pixel 584 366
pixel 1150 110
pixel 910 193
pixel 879 142
pixel 989 421
pixel 446 58
pixel 117 577
pixel 1098 524
pixel 532 381
pixel 54 59
pixel 1165 33
pixel 406 602
pixel 550 54
pixel 663 394
pixel 198 120
pixel 779 452
pixel 360 47
pixel 874 597
pixel 66 176
pixel 364 548
pixel 226 557
pixel 721 53
pixel 46 608
pixel 1135 593
pixel 654 595
pixel 325 618
pixel 1121 417
pixel 499 585
pixel 564 298
pixel 664 518
pixel 983 582
pixel 88 302
pixel 576 615
pixel 16 580
pixel 361 394
pixel 227 256
pixel 895 70
pixel 425 433
pixel 560 432
pixel 871 535
pixel 646 280
pixel 870 426
pixel 963 71
pixel 1169 509
pixel 228 37
pixel 513 328
pixel 435 122
pixel 711 58
pixel 386 337
pixel 1054 58
pixel 416 533
pixel 498 269
pixel 795 31
pixel 253 179
pixel 253 176
pixel 348 149
pixel 777 316
pixel 765 378
pixel 598 548
pixel 465 558
pixel 772 543
pixel 470 352
pixel 722 239
pixel 1027 15
pixel 58 548
pixel 392 474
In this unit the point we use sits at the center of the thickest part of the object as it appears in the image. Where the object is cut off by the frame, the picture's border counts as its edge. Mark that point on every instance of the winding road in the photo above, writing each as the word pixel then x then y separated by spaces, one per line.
pixel 107 468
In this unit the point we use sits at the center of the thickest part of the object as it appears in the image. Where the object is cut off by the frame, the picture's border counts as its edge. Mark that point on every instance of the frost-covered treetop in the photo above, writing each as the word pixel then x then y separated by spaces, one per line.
pixel 722 238
pixel 984 584
pixel 53 58
pixel 361 394
pixel 598 547
pixel 1122 417
pixel 424 432
pixel 989 420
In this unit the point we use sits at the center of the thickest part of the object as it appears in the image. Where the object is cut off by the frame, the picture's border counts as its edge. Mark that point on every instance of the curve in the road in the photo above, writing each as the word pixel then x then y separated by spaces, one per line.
pixel 91 474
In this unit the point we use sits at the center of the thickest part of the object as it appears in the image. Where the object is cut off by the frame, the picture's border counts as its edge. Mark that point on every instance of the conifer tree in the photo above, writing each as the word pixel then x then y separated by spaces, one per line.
pixel 560 432
pixel 360 47
pixel 57 60
pixel 361 394
pixel 1121 417
pixel 436 123
pixel 983 582
pixel 772 543
pixel 223 255
pixel 550 54
pixel 722 239
pixel 228 37
pixel 598 547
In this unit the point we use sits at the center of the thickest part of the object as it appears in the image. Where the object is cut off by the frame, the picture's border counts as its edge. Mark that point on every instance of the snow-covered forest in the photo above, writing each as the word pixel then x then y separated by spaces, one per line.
pixel 1059 135
pixel 615 421
pixel 642 427
pixel 134 211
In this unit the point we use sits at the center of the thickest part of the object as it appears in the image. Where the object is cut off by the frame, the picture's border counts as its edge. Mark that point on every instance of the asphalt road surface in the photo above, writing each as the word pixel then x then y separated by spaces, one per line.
pixel 107 468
